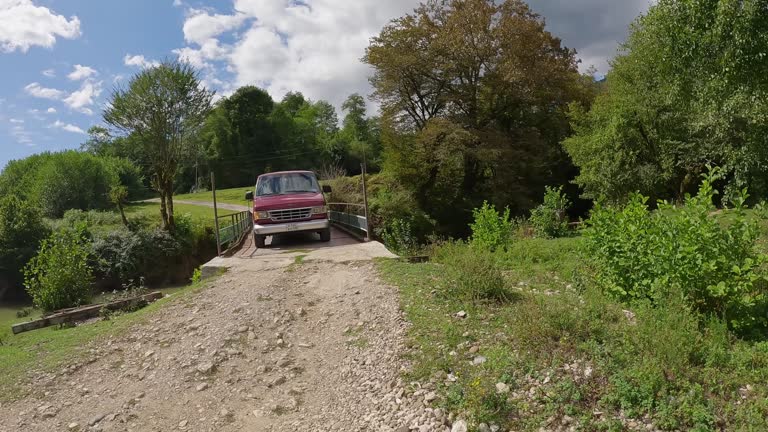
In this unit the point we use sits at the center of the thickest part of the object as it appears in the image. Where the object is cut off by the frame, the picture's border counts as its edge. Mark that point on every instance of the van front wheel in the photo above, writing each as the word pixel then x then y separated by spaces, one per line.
pixel 325 235
pixel 259 240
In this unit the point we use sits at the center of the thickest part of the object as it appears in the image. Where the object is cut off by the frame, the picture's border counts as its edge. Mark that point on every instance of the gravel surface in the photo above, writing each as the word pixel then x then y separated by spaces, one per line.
pixel 269 346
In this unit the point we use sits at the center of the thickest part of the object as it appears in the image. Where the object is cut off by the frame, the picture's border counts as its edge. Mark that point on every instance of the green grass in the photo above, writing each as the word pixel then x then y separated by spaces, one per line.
pixel 228 196
pixel 50 348
pixel 661 362
pixel 151 211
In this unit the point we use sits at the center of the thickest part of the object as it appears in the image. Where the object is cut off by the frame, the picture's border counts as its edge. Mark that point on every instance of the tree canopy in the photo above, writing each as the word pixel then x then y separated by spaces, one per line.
pixel 473 96
pixel 164 107
pixel 689 89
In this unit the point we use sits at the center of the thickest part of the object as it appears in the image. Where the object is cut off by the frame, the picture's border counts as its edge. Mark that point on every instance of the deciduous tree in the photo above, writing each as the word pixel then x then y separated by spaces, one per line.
pixel 163 107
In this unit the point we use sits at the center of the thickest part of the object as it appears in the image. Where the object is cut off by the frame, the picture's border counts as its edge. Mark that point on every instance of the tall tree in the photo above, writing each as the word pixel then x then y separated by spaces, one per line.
pixel 689 89
pixel 474 94
pixel 164 107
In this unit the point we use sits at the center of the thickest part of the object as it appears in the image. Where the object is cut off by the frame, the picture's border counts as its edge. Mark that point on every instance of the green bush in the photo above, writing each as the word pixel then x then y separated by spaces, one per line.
pixel 473 274
pixel 491 230
pixel 60 276
pixel 56 182
pixel 550 219
pixel 398 237
pixel 21 231
pixel 711 257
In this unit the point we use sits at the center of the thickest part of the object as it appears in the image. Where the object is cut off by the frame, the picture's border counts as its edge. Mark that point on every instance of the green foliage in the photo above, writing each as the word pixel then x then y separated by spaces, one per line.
pixel 493 137
pixel 164 107
pixel 21 231
pixel 398 237
pixel 565 347
pixel 659 123
pixel 60 276
pixel 491 230
pixel 57 182
pixel 643 255
pixel 550 219
pixel 473 273
pixel 197 275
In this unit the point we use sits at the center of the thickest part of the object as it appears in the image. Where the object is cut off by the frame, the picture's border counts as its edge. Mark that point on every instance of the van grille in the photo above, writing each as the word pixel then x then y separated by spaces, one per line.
pixel 289 214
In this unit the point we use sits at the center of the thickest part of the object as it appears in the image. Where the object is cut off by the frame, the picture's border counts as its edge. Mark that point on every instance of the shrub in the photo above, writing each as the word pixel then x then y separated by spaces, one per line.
pixel 59 276
pixel 21 231
pixel 710 257
pixel 491 230
pixel 56 182
pixel 550 220
pixel 398 237
pixel 473 274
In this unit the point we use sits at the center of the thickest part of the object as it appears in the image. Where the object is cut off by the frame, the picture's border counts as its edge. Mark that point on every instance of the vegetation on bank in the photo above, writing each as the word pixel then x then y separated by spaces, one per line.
pixel 647 318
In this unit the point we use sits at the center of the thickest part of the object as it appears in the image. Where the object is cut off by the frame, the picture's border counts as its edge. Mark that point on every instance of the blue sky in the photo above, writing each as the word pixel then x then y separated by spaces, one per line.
pixel 60 59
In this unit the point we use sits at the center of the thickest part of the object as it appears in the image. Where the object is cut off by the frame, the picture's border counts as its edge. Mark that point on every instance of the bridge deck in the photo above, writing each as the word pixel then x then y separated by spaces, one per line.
pixel 294 242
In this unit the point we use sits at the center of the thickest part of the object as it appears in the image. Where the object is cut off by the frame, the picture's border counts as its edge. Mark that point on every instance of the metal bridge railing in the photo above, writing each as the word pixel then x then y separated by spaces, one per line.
pixel 349 215
pixel 233 228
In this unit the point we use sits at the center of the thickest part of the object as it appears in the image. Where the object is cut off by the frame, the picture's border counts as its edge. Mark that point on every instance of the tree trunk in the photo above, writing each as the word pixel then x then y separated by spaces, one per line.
pixel 171 227
pixel 122 213
pixel 163 209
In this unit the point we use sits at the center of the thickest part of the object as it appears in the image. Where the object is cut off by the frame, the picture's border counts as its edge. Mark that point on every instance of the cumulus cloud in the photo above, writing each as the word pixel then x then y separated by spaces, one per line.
pixel 23 25
pixel 201 26
pixel 82 72
pixel 315 47
pixel 51 110
pixel 81 99
pixel 36 90
pixel 67 127
pixel 14 120
pixel 139 61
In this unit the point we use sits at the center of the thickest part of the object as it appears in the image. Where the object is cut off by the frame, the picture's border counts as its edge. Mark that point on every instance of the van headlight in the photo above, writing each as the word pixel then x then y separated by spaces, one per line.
pixel 319 210
pixel 261 215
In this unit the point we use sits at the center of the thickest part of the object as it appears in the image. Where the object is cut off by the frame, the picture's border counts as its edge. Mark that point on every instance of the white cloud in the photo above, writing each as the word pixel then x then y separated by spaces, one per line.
pixel 51 110
pixel 82 72
pixel 177 3
pixel 315 46
pixel 21 135
pixel 80 100
pixel 22 25
pixel 200 26
pixel 18 121
pixel 36 90
pixel 67 127
pixel 313 49
pixel 50 73
pixel 139 61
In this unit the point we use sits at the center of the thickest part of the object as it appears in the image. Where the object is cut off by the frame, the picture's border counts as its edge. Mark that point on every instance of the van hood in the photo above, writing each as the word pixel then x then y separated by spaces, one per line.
pixel 288 201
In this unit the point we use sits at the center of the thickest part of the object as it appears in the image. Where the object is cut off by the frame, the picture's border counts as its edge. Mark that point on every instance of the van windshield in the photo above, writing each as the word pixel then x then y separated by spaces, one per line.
pixel 282 184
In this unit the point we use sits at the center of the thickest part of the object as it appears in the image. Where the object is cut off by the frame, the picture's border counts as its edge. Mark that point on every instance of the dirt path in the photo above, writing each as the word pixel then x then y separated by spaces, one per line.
pixel 270 346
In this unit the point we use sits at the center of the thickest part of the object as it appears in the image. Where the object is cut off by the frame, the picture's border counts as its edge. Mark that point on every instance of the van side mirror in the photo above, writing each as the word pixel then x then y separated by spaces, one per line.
pixel 249 196
pixel 327 189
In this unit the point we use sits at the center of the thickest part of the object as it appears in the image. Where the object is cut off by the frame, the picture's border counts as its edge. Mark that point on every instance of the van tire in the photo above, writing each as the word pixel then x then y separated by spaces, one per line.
pixel 325 235
pixel 260 241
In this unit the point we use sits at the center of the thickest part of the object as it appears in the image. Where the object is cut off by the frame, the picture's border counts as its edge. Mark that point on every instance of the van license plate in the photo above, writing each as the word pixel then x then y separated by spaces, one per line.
pixel 292 227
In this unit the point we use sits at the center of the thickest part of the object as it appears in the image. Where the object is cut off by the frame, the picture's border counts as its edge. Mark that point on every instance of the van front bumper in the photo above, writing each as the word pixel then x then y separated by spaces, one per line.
pixel 280 228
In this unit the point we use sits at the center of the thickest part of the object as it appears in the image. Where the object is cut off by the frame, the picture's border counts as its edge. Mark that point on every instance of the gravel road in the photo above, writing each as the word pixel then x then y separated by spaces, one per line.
pixel 268 346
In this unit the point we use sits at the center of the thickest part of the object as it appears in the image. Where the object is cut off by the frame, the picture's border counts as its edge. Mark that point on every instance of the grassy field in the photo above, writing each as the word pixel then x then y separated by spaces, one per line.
pixel 152 211
pixel 228 196
pixel 46 349
pixel 557 353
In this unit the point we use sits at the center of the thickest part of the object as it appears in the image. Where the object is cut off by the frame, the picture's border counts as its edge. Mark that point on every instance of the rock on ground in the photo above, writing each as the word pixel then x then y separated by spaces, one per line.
pixel 268 347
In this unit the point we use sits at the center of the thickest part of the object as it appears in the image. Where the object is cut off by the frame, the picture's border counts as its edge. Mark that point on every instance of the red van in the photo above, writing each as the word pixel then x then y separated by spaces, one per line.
pixel 289 201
